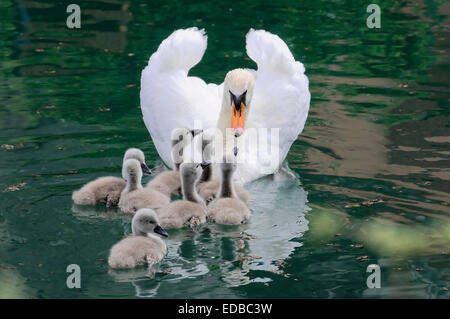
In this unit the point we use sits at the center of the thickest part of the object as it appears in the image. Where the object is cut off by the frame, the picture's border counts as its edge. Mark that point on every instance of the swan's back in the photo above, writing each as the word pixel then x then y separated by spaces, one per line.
pixel 103 190
pixel 182 213
pixel 228 211
pixel 168 182
pixel 142 198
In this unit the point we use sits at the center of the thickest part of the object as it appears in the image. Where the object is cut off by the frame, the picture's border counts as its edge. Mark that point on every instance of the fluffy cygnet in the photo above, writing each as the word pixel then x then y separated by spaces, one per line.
pixel 143 246
pixel 208 188
pixel 208 191
pixel 191 210
pixel 106 190
pixel 169 182
pixel 134 196
pixel 227 208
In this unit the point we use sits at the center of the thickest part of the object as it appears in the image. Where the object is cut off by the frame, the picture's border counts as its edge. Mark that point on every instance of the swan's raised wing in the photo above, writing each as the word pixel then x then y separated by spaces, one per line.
pixel 169 97
pixel 281 95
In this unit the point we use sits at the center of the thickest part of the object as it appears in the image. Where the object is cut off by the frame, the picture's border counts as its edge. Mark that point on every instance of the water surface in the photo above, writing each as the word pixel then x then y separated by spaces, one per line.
pixel 372 164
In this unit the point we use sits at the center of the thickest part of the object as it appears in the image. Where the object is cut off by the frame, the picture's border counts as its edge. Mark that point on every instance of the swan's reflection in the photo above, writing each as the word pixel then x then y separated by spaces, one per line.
pixel 141 278
pixel 278 218
pixel 102 212
pixel 184 260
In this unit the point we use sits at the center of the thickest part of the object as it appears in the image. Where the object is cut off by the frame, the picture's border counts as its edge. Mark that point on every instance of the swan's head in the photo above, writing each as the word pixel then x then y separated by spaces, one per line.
pixel 137 154
pixel 145 221
pixel 238 92
pixel 131 170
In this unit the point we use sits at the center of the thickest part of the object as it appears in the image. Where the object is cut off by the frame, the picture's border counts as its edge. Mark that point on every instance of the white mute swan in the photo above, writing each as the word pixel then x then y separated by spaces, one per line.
pixel 275 98
pixel 144 246
pixel 107 189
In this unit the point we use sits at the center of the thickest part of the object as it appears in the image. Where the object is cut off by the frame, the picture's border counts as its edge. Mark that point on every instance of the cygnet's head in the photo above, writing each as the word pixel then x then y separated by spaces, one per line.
pixel 138 155
pixel 180 137
pixel 131 170
pixel 238 92
pixel 145 221
pixel 190 172
pixel 183 134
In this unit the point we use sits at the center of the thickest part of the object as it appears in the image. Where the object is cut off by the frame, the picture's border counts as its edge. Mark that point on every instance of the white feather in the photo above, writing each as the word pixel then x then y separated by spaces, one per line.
pixel 281 96
pixel 170 98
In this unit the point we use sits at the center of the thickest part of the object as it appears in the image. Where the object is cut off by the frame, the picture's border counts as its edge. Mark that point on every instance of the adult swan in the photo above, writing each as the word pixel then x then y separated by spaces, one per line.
pixel 275 98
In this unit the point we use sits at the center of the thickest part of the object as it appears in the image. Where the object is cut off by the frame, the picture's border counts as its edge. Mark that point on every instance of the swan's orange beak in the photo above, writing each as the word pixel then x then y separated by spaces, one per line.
pixel 238 113
pixel 238 118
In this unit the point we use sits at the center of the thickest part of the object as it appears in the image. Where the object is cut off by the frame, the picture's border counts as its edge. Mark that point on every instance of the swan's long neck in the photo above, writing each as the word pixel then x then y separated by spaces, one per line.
pixel 227 187
pixel 206 174
pixel 190 192
pixel 224 121
pixel 175 155
pixel 133 182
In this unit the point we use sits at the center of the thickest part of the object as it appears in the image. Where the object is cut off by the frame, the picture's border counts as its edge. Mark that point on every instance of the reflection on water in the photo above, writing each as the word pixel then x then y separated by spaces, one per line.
pixel 278 220
pixel 88 212
pixel 140 278
pixel 373 158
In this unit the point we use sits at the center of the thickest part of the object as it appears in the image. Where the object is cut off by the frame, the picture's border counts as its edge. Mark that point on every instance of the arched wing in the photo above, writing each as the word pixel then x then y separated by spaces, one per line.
pixel 281 95
pixel 169 97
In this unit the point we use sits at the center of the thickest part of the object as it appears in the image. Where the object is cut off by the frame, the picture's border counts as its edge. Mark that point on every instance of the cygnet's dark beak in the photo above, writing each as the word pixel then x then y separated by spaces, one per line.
pixel 235 150
pixel 196 132
pixel 159 230
pixel 205 164
pixel 145 169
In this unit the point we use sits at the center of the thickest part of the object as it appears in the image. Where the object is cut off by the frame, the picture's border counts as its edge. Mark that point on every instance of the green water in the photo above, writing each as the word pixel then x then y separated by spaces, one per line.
pixel 378 129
